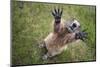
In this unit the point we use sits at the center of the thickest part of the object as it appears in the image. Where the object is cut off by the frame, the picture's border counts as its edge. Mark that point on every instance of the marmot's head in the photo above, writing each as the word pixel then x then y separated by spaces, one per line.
pixel 72 25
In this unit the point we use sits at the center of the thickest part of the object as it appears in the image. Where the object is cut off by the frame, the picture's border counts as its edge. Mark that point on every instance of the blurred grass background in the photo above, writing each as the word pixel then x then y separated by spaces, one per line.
pixel 31 23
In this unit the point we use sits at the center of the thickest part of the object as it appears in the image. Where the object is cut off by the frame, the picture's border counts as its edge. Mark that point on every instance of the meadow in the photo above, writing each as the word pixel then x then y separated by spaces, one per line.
pixel 32 22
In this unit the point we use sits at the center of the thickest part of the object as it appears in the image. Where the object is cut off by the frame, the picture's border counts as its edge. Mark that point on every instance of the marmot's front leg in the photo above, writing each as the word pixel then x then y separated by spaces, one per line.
pixel 57 13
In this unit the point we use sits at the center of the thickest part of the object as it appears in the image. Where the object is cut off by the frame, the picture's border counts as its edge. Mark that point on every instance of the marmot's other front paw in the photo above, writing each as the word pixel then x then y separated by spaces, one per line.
pixel 81 35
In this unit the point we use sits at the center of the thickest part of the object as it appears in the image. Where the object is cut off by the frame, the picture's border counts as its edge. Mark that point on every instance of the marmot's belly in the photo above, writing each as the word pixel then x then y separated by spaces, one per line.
pixel 55 43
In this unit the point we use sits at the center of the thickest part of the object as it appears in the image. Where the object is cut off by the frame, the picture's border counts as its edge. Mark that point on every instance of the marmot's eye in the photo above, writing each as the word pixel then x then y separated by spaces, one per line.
pixel 74 25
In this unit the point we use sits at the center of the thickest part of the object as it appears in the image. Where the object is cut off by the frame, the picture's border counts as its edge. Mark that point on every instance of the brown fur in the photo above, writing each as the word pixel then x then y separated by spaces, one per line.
pixel 57 40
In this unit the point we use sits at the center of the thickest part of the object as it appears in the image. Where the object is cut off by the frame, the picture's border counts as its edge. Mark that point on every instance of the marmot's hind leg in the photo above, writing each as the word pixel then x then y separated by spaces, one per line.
pixel 50 54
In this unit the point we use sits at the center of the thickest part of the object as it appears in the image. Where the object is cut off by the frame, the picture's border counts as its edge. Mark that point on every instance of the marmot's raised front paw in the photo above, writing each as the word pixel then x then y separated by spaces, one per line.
pixel 57 15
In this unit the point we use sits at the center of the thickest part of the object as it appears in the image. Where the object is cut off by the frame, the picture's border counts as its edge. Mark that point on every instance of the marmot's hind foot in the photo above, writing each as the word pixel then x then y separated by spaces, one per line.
pixel 45 57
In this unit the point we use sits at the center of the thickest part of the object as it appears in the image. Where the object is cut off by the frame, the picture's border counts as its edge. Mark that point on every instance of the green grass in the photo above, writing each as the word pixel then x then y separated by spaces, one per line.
pixel 32 22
